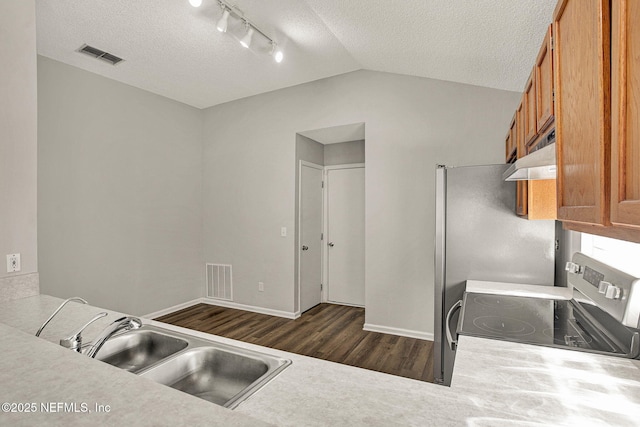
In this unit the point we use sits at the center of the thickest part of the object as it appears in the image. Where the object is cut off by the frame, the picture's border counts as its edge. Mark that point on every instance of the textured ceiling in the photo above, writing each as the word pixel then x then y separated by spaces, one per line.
pixel 174 50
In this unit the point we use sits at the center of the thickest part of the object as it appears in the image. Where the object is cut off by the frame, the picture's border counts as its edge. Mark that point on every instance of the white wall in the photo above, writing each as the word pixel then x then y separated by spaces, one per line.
pixel 120 190
pixel 412 124
pixel 18 146
pixel 344 153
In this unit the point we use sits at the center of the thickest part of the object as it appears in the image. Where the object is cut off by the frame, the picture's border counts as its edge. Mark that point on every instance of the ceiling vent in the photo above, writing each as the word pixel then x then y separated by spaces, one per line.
pixel 100 54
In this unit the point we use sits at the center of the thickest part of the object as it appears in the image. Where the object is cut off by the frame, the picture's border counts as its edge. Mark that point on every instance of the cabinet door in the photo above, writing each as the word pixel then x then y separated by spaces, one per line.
pixel 513 137
pixel 544 83
pixel 507 148
pixel 521 147
pixel 625 113
pixel 530 129
pixel 521 186
pixel 541 199
pixel 582 87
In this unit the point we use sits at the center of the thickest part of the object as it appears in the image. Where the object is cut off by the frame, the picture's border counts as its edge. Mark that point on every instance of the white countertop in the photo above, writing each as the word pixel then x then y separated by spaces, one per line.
pixel 494 383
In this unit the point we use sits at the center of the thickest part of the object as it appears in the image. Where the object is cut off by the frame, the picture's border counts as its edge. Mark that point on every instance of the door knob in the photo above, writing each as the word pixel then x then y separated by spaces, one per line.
pixel 330 244
pixel 305 247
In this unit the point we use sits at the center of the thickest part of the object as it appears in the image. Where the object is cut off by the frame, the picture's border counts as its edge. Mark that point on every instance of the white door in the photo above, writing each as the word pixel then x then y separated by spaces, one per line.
pixel 345 235
pixel 310 250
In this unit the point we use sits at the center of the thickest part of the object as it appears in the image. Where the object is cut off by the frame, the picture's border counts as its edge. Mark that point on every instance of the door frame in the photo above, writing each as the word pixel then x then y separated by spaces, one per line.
pixel 299 233
pixel 325 227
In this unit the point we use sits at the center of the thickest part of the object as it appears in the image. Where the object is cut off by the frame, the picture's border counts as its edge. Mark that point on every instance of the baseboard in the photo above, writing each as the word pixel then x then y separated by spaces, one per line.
pixel 173 308
pixel 252 308
pixel 398 331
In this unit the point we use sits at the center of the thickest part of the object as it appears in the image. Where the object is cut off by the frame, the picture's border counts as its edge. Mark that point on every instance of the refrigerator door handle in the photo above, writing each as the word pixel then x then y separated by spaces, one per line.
pixel 452 343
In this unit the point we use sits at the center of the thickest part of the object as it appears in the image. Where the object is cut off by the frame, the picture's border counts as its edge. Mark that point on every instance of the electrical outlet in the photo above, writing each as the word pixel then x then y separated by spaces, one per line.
pixel 13 263
pixel 261 286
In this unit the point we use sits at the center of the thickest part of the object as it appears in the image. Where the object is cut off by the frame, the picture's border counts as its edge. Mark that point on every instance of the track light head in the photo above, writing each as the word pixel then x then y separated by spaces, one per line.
pixel 277 54
pixel 223 23
pixel 246 40
pixel 195 3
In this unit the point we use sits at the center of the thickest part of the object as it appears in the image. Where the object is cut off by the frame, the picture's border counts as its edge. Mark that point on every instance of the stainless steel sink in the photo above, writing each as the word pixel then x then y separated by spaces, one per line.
pixel 139 349
pixel 222 374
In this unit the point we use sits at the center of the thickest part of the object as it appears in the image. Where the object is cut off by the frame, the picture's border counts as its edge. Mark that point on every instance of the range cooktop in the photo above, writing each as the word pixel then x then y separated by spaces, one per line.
pixel 540 321
pixel 603 315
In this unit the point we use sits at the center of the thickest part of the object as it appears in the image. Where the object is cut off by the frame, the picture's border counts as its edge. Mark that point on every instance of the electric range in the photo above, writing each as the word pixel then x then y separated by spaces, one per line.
pixel 602 316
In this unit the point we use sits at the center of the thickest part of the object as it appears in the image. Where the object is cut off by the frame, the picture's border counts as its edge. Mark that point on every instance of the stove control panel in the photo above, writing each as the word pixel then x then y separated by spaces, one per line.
pixel 614 291
pixel 594 277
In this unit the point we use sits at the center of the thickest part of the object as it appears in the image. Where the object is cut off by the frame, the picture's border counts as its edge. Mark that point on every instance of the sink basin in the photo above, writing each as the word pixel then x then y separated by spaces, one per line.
pixel 219 373
pixel 210 373
pixel 138 349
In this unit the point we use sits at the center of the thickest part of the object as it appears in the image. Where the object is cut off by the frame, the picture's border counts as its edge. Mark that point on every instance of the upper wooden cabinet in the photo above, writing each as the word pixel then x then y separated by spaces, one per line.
pixel 544 82
pixel 521 186
pixel 521 146
pixel 530 113
pixel 597 78
pixel 534 199
pixel 512 139
pixel 625 113
pixel 582 85
pixel 508 143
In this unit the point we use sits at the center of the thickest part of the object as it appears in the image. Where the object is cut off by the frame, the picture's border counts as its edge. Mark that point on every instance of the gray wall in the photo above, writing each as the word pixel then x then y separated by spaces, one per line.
pixel 344 153
pixel 309 150
pixel 18 147
pixel 412 124
pixel 120 190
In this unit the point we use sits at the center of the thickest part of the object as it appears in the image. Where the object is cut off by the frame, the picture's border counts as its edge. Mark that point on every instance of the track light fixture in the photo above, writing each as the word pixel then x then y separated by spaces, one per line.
pixel 246 40
pixel 233 11
pixel 223 23
pixel 277 54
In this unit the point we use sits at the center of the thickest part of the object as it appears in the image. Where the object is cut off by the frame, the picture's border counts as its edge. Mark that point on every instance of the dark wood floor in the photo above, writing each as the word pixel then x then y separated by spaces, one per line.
pixel 327 331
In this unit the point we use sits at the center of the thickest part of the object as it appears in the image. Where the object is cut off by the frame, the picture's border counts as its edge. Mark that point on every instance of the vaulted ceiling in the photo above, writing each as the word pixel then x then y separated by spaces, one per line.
pixel 174 50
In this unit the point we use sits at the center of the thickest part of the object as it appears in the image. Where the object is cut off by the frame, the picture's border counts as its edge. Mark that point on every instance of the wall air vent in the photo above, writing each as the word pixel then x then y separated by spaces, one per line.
pixel 219 281
pixel 100 54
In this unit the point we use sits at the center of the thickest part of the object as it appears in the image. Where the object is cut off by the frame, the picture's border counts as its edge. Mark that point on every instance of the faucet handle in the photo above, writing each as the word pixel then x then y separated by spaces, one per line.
pixel 46 322
pixel 74 341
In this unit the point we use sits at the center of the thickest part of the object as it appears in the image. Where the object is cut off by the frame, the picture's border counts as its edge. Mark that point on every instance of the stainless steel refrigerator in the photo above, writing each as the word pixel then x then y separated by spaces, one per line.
pixel 479 237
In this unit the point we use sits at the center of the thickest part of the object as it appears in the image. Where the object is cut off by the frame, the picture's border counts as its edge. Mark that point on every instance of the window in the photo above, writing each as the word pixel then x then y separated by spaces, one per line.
pixel 624 256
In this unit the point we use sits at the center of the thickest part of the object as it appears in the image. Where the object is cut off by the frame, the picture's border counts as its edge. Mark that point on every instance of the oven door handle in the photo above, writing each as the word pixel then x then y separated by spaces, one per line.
pixel 452 343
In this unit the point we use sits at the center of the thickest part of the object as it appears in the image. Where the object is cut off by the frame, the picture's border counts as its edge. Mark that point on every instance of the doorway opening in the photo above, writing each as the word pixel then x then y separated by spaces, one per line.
pixel 330 205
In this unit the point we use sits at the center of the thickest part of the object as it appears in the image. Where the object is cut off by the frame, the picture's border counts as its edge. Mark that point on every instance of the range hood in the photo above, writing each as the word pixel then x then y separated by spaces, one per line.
pixel 540 164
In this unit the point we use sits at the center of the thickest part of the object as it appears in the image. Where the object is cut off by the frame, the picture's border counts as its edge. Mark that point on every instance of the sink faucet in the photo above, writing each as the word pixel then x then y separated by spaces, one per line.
pixel 124 323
